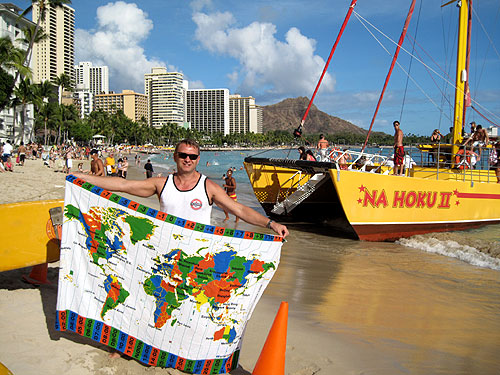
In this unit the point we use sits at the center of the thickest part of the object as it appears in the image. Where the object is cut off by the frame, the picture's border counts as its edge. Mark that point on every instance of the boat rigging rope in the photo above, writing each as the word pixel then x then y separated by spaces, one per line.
pixel 409 66
pixel 334 47
pixel 363 21
pixel 485 32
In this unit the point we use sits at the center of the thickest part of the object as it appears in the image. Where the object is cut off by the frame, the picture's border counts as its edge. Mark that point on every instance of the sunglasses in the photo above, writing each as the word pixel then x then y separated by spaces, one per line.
pixel 183 155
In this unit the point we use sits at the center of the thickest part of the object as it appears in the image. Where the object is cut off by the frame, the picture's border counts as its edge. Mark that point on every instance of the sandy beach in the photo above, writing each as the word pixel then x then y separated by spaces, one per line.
pixel 355 307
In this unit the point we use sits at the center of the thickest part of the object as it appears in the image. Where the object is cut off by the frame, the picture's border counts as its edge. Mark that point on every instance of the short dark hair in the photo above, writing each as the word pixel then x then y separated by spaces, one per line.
pixel 94 152
pixel 188 142
pixel 395 122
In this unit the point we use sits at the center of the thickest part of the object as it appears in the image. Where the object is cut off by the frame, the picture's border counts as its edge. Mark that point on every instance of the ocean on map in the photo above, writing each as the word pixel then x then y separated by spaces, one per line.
pixel 425 305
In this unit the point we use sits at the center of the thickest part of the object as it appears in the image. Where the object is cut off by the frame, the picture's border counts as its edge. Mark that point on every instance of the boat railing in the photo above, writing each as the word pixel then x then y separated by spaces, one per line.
pixel 469 164
pixel 351 159
pixel 294 183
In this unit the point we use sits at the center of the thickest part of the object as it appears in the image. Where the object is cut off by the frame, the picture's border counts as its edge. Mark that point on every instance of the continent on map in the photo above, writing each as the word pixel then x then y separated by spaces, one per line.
pixel 104 231
pixel 211 279
pixel 116 294
pixel 226 333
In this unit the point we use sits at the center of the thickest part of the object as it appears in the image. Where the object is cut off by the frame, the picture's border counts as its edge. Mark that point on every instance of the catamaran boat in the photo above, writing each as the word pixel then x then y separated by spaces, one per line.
pixel 441 190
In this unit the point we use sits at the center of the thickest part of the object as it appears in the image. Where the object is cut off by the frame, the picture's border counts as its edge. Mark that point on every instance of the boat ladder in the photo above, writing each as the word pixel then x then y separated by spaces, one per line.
pixel 302 192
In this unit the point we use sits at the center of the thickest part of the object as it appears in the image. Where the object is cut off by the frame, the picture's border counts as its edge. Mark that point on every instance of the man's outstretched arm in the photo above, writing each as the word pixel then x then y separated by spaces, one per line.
pixel 248 214
pixel 140 188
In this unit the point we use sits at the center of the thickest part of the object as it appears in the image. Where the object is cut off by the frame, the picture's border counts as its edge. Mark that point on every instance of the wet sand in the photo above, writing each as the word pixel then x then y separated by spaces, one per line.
pixel 355 308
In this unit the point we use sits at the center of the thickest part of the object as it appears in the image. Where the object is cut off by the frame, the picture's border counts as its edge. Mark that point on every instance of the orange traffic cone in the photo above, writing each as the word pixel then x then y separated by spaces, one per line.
pixel 38 275
pixel 272 358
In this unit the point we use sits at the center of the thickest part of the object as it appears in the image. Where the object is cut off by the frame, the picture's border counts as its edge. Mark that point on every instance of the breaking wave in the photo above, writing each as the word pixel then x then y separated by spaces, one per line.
pixel 478 252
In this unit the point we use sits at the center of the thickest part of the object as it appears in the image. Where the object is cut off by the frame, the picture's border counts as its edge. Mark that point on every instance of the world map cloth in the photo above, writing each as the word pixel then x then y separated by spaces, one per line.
pixel 164 290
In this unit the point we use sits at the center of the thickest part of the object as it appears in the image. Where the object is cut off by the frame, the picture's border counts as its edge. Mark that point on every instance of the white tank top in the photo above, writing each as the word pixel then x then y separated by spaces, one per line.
pixel 192 205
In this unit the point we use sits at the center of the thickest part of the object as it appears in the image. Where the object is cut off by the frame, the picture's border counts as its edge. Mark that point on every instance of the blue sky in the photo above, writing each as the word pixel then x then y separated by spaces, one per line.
pixel 277 50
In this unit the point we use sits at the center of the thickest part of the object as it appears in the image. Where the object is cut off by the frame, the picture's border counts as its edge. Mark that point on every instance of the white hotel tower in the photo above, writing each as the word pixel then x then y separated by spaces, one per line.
pixel 93 78
pixel 89 81
pixel 165 92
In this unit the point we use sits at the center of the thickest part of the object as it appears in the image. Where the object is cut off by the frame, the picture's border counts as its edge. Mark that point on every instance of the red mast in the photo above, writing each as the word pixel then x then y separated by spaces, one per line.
pixel 348 15
pixel 394 58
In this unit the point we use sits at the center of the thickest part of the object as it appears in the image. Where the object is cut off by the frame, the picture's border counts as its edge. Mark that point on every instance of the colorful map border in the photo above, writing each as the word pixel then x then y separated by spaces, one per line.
pixel 98 331
pixel 163 216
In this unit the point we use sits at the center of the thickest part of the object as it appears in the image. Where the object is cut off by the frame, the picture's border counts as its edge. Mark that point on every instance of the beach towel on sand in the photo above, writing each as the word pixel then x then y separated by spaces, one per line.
pixel 165 291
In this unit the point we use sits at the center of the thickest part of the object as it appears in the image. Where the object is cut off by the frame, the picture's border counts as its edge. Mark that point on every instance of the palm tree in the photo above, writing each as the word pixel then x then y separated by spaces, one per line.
pixel 42 6
pixel 25 93
pixel 14 103
pixel 10 57
pixel 63 81
pixel 43 93
pixel 30 33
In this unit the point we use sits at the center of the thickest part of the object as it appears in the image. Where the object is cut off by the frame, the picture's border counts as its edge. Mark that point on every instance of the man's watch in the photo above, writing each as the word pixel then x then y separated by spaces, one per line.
pixel 268 225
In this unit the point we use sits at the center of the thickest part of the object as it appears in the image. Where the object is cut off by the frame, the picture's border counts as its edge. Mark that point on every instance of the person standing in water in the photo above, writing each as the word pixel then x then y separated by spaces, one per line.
pixel 230 187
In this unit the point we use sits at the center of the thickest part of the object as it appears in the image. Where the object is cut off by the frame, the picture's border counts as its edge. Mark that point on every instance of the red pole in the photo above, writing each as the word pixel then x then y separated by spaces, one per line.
pixel 348 15
pixel 394 58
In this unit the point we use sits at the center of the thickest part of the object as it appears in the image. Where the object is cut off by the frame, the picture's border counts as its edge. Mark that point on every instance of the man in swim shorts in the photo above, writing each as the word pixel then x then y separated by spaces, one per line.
pixel 479 139
pixel 399 151
pixel 230 187
pixel 323 148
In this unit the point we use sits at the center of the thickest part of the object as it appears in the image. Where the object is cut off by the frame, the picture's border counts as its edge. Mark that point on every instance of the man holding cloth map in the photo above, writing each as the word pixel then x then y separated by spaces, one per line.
pixel 187 193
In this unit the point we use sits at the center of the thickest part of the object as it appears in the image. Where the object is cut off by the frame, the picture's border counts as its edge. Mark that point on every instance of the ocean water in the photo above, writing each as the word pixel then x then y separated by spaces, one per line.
pixel 425 305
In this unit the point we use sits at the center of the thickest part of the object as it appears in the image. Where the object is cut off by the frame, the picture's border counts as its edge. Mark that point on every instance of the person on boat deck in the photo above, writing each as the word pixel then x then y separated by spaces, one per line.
pixel 399 151
pixel 496 164
pixel 479 139
pixel 310 156
pixel 343 158
pixel 323 148
pixel 436 136
pixel 472 127
pixel 302 153
pixel 449 137
pixel 186 193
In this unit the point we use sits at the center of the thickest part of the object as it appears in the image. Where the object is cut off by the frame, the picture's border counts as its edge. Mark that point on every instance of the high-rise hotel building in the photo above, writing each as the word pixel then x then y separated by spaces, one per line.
pixel 133 105
pixel 165 93
pixel 244 115
pixel 56 54
pixel 208 110
pixel 89 81
pixel 93 78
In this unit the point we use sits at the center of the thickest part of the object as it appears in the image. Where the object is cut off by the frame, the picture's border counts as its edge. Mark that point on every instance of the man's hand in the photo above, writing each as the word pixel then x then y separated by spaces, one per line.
pixel 280 229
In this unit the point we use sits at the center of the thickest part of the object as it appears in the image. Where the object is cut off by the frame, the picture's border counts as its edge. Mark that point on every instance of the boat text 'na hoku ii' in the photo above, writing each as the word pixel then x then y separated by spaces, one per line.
pixel 445 186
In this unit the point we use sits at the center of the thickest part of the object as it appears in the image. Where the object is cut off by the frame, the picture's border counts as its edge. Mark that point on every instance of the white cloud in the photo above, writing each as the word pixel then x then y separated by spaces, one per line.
pixel 121 27
pixel 267 66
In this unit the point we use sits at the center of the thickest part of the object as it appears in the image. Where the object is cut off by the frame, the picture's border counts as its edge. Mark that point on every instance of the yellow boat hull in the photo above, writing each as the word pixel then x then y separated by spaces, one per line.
pixel 26 227
pixel 377 206
pixel 387 207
